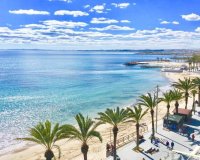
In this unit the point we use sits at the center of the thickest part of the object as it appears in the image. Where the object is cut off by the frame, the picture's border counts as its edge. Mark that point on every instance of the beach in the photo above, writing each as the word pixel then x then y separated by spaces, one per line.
pixel 71 149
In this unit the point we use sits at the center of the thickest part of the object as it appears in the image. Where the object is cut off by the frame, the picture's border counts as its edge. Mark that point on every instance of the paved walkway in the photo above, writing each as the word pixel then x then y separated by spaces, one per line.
pixel 182 143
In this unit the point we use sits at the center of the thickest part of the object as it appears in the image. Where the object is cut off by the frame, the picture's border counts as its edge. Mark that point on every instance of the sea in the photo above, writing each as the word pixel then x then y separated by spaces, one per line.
pixel 39 85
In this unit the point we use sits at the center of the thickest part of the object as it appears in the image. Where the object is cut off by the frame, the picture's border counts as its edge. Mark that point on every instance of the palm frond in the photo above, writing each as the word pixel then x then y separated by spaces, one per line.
pixel 113 116
pixel 59 150
pixel 148 101
pixel 44 134
pixel 137 113
pixel 86 129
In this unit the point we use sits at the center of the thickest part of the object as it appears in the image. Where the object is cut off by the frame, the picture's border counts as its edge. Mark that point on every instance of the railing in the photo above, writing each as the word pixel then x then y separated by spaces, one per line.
pixel 131 137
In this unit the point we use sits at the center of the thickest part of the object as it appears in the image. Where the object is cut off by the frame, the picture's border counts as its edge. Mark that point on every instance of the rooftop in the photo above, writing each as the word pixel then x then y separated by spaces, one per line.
pixel 174 118
pixel 183 111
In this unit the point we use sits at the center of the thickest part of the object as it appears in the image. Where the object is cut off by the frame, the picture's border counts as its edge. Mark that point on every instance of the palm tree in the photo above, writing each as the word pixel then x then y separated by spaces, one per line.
pixel 114 117
pixel 194 92
pixel 186 86
pixel 196 82
pixel 150 102
pixel 177 95
pixel 167 98
pixel 136 114
pixel 85 131
pixel 46 135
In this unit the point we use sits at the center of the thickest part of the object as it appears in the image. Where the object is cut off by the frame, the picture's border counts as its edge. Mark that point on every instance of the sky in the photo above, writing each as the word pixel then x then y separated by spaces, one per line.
pixel 100 24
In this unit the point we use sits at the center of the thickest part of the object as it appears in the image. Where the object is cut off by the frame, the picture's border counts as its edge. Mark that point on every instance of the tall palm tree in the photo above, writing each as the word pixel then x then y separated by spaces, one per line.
pixel 177 95
pixel 136 114
pixel 150 102
pixel 194 92
pixel 185 86
pixel 114 117
pixel 167 98
pixel 46 135
pixel 196 82
pixel 85 131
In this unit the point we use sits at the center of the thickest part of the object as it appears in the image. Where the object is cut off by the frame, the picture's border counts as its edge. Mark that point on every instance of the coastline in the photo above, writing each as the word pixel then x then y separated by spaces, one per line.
pixel 71 149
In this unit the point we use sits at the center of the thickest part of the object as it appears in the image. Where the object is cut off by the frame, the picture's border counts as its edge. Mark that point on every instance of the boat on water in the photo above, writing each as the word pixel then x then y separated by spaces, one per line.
pixel 134 63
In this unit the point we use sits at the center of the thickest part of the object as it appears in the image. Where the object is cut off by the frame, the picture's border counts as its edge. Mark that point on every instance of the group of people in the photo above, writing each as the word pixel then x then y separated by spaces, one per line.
pixel 168 145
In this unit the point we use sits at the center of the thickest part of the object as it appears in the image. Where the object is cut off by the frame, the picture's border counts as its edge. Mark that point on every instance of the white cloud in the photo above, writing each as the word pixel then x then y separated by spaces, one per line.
pixel 164 22
pixel 29 12
pixel 67 24
pixel 98 8
pixel 71 13
pixel 103 20
pixel 191 17
pixel 125 21
pixel 54 34
pixel 68 1
pixel 167 22
pixel 197 29
pixel 86 6
pixel 4 29
pixel 120 5
pixel 40 26
pixel 175 22
pixel 114 27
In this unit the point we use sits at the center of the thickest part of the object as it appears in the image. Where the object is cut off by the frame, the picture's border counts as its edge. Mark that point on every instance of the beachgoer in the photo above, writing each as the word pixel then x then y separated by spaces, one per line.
pixel 167 144
pixel 193 137
pixel 172 145
pixel 151 139
pixel 107 147
pixel 180 131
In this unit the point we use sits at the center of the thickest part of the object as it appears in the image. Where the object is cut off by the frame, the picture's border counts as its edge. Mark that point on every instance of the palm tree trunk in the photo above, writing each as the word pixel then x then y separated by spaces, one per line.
pixel 49 154
pixel 137 131
pixel 176 106
pixel 186 99
pixel 199 96
pixel 152 119
pixel 85 156
pixel 193 109
pixel 84 150
pixel 168 106
pixel 115 131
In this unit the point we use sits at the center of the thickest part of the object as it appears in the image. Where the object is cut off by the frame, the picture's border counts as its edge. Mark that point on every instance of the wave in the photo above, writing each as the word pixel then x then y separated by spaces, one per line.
pixel 19 98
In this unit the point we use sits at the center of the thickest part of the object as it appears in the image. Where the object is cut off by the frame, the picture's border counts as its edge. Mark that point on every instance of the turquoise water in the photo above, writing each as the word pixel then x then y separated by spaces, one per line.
pixel 38 85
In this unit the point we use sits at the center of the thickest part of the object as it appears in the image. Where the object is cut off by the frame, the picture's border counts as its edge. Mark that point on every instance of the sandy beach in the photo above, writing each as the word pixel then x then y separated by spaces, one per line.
pixel 71 149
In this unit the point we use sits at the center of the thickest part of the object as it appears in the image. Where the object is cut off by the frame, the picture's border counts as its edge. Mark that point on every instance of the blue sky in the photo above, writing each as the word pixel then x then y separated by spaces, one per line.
pixel 100 24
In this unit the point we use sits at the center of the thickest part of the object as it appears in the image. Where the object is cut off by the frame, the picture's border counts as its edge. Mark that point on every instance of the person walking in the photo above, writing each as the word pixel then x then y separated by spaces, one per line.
pixel 172 145
pixel 193 137
pixel 167 144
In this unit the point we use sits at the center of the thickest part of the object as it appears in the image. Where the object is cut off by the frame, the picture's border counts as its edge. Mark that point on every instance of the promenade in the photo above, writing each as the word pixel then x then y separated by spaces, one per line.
pixel 182 143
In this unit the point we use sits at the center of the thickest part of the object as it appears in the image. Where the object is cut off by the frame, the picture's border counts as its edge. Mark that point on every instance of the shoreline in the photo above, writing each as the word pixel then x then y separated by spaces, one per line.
pixel 96 148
